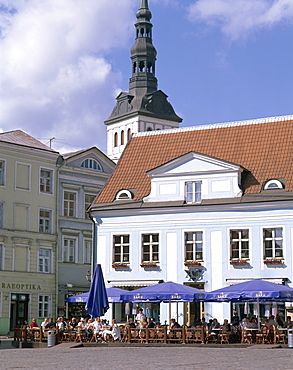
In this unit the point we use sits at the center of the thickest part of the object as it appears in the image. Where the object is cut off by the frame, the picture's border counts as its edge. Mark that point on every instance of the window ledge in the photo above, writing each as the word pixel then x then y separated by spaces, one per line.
pixel 149 264
pixel 192 263
pixel 120 265
pixel 238 262
pixel 273 261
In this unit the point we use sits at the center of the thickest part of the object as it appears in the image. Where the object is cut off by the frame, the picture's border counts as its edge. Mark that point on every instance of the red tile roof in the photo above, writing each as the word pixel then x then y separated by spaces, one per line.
pixel 263 147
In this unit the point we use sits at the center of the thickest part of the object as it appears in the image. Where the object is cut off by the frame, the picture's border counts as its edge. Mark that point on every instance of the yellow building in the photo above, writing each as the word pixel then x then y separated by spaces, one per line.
pixel 28 230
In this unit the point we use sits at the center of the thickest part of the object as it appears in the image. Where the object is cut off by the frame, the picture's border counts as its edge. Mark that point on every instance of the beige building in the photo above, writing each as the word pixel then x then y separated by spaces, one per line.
pixel 28 230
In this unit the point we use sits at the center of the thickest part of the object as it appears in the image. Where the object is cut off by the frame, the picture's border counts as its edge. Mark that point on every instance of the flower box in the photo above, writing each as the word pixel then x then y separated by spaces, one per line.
pixel 239 262
pixel 149 264
pixel 273 261
pixel 120 265
pixel 192 263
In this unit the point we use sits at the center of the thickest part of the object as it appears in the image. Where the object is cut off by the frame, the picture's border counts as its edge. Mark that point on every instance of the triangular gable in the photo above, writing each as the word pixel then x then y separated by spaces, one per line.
pixel 193 162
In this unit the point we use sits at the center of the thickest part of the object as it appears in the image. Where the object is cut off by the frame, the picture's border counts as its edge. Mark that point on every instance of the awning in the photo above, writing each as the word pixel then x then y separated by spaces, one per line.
pixel 120 283
pixel 237 281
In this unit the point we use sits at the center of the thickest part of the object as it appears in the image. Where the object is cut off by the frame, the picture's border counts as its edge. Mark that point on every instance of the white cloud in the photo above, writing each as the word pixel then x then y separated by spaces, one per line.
pixel 55 78
pixel 239 18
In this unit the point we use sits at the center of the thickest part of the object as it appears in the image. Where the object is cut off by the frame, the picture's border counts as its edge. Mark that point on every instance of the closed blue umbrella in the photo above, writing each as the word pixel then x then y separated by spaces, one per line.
pixel 97 303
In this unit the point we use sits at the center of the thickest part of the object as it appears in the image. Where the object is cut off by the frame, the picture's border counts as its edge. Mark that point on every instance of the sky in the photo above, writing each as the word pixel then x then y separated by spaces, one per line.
pixel 62 63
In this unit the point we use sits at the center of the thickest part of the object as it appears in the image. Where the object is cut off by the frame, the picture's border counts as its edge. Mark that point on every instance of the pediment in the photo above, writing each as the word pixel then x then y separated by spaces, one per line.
pixel 192 163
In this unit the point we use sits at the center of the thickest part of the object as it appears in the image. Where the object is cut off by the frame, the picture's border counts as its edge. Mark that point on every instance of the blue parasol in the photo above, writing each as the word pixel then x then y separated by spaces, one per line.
pixel 97 303
pixel 112 293
pixel 258 290
pixel 165 292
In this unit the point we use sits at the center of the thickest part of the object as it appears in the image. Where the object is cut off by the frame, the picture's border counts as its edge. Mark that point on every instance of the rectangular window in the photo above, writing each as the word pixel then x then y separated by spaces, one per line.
pixel 87 252
pixel 150 247
pixel 45 221
pixel 2 173
pixel 88 200
pixel 20 258
pixel 22 176
pixel 1 215
pixel 69 203
pixel 1 257
pixel 21 217
pixel 193 246
pixel 46 181
pixel 193 192
pixel 45 260
pixel 44 306
pixel 239 244
pixel 273 243
pixel 121 248
pixel 69 250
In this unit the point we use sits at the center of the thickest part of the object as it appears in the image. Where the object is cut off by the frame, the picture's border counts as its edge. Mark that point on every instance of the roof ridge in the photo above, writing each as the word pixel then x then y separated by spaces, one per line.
pixel 216 125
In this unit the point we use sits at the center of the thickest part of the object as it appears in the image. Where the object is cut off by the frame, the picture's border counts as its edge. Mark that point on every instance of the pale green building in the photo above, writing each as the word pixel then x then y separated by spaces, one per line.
pixel 28 230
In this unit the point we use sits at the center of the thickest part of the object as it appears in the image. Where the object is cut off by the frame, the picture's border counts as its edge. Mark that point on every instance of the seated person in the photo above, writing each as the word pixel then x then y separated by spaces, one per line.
pixel 203 321
pixel 151 323
pixel 272 321
pixel 73 323
pixel 215 325
pixel 115 332
pixel 131 323
pixel 235 319
pixel 226 326
pixel 51 324
pixel 174 324
pixel 82 324
pixel 34 324
pixel 288 323
pixel 44 324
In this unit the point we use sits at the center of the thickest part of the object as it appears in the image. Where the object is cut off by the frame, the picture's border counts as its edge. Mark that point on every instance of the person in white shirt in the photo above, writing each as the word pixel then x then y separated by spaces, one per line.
pixel 140 316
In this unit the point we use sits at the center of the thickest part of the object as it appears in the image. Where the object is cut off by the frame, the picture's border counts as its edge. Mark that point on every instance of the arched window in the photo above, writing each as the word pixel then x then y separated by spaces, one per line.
pixel 91 164
pixel 273 184
pixel 115 139
pixel 123 194
pixel 128 134
pixel 149 129
pixel 141 66
pixel 122 137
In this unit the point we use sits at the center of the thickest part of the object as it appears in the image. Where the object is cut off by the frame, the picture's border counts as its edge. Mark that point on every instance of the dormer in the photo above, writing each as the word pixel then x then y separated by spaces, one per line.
pixel 194 177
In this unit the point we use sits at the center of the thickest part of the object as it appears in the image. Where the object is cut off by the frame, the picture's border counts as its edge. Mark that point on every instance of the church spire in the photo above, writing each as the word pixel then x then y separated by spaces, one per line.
pixel 143 54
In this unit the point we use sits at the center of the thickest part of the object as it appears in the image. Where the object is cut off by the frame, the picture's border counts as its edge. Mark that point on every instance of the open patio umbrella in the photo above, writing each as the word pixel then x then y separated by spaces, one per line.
pixel 251 290
pixel 112 293
pixel 165 292
pixel 97 303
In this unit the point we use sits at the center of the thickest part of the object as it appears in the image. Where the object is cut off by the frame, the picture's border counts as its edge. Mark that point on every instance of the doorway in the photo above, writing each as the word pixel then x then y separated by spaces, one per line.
pixel 18 310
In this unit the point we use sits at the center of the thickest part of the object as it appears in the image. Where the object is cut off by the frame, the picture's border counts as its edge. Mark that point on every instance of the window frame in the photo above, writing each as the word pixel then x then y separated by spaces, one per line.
pixel 92 163
pixel 2 216
pixel 151 244
pixel 194 244
pixel 42 310
pixel 87 204
pixel 75 202
pixel 44 218
pixel 69 238
pixel 86 240
pixel 3 172
pixel 2 256
pixel 273 239
pixel 241 241
pixel 29 176
pixel 51 192
pixel 123 244
pixel 194 192
pixel 50 258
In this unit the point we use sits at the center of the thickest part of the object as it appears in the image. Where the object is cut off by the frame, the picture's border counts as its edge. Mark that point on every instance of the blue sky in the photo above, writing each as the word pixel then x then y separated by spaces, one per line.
pixel 63 62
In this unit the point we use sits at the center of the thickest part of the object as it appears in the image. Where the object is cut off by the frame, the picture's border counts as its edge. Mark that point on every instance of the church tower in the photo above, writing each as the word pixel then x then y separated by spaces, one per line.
pixel 144 107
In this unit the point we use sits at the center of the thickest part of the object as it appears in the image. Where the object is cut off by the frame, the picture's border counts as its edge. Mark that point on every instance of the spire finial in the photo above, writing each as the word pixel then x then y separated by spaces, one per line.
pixel 144 4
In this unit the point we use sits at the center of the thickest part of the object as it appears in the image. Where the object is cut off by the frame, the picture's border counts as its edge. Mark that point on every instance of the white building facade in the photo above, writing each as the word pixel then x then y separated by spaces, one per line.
pixel 206 212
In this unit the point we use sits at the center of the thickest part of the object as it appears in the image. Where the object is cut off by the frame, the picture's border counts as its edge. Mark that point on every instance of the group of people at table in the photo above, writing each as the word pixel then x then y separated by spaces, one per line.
pixel 100 331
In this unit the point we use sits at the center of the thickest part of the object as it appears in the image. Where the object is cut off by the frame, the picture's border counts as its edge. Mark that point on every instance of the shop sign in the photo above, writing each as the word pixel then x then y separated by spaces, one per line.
pixel 21 286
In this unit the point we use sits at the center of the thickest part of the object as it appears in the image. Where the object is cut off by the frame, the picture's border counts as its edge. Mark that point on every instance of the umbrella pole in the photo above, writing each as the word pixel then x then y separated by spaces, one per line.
pixel 258 317
pixel 169 310
pixel 177 311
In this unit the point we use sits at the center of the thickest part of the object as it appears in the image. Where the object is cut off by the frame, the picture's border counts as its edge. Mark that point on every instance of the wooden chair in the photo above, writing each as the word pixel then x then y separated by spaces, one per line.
pixel 280 337
pixel 262 336
pixel 211 337
pixel 246 337
pixel 224 335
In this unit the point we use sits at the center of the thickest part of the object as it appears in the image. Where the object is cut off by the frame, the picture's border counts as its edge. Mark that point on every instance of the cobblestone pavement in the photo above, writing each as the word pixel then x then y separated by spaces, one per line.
pixel 147 358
